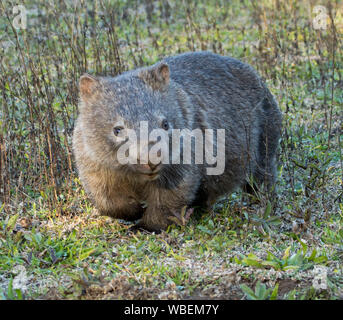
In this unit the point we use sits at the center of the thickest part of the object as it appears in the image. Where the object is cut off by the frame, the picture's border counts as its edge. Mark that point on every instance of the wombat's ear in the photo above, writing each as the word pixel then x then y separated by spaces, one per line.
pixel 157 76
pixel 89 86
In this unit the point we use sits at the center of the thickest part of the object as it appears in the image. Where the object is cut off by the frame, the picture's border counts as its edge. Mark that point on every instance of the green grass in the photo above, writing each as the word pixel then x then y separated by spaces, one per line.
pixel 53 245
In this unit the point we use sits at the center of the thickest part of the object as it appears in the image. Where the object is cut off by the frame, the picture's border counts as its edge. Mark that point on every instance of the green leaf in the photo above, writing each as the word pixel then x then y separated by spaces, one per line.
pixel 37 238
pixel 11 222
pixel 237 260
pixel 252 260
pixel 291 295
pixel 86 254
pixel 320 259
pixel 19 294
pixel 271 256
pixel 260 290
pixel 304 246
pixel 249 293
pixel 10 294
pixel 286 254
pixel 204 229
pixel 295 259
pixel 211 224
pixel 313 255
pixel 274 221
pixel 290 268
pixel 273 264
pixel 267 211
pixel 274 294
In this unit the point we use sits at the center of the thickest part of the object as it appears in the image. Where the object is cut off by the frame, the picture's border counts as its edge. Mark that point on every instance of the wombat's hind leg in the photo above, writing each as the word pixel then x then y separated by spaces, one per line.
pixel 266 167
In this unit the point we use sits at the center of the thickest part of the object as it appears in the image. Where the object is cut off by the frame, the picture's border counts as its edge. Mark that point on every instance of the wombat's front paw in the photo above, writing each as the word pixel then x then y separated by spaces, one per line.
pixel 183 217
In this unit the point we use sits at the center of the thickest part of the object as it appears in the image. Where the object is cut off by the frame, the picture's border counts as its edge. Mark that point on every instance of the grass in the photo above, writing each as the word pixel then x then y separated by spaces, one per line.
pixel 53 245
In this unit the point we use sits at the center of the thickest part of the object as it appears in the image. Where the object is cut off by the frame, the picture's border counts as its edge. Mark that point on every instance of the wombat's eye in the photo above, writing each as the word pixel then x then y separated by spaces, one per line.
pixel 117 130
pixel 165 124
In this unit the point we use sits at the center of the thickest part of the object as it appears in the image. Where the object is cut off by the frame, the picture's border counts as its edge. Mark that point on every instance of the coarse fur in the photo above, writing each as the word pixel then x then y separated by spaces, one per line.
pixel 192 90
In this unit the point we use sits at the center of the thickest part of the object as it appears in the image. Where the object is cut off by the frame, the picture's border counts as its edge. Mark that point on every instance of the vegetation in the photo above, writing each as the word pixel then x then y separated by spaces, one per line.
pixel 53 245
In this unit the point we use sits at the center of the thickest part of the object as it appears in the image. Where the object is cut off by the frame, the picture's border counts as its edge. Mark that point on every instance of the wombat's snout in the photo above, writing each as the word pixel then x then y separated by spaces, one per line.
pixel 149 163
pixel 150 167
pixel 150 170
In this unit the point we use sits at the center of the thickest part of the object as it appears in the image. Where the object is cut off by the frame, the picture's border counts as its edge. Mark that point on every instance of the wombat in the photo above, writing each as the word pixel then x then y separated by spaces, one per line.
pixel 192 91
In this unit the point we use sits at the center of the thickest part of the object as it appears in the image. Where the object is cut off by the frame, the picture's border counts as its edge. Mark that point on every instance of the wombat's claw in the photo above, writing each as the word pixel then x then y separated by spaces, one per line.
pixel 189 212
pixel 183 218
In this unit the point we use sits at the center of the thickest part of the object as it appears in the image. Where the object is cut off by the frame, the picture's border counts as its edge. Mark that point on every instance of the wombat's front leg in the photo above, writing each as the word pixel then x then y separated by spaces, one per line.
pixel 154 220
pixel 120 208
pixel 110 197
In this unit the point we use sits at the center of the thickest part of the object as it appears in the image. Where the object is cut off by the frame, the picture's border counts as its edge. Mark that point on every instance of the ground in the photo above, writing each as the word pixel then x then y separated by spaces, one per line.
pixel 53 243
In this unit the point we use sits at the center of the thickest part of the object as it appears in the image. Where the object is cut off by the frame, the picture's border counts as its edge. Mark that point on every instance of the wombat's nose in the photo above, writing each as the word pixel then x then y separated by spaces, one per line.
pixel 150 166
pixel 153 166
